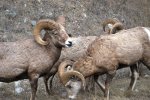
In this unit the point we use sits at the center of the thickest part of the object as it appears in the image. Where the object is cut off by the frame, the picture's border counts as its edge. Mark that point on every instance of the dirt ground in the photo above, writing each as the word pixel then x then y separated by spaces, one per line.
pixel 117 91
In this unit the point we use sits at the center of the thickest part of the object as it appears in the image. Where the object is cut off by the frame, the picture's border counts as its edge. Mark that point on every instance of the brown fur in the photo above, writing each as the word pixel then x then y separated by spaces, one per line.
pixel 80 45
pixel 28 59
pixel 121 48
pixel 106 53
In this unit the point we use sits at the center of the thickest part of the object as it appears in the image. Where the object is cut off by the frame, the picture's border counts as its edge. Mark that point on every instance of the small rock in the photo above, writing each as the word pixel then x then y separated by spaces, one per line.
pixel 1 83
pixel 18 90
pixel 11 13
pixel 146 76
pixel 39 1
pixel 33 22
pixel 136 90
pixel 25 5
pixel 25 20
pixel 50 13
pixel 122 89
pixel 84 15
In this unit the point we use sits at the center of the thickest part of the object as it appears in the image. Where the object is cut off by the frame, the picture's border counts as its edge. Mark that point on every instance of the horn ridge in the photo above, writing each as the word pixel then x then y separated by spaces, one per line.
pixel 65 76
pixel 43 24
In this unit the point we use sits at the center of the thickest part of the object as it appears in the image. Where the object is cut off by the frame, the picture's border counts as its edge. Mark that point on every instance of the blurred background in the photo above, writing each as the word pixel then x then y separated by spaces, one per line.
pixel 83 17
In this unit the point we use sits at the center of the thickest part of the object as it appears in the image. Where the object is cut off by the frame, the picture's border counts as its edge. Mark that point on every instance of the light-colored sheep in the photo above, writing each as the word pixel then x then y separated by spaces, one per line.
pixel 115 26
pixel 105 55
pixel 80 45
pixel 33 58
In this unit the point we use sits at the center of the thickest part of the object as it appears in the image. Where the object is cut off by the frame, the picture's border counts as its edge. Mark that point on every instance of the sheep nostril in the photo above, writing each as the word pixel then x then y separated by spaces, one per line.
pixel 70 43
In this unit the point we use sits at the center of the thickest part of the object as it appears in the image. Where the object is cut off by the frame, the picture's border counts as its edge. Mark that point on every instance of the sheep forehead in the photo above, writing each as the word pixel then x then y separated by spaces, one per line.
pixel 147 31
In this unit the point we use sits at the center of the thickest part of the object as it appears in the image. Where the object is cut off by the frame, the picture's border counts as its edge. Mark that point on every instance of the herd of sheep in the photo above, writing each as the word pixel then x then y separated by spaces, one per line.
pixel 96 55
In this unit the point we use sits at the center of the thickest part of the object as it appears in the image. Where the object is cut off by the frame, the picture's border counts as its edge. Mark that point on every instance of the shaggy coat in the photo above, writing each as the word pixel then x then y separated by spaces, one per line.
pixel 106 54
pixel 33 58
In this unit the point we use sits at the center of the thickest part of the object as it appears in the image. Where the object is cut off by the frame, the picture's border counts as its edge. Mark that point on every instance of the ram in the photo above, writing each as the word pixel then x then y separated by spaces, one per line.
pixel 80 45
pixel 78 49
pixel 105 55
pixel 33 58
pixel 114 25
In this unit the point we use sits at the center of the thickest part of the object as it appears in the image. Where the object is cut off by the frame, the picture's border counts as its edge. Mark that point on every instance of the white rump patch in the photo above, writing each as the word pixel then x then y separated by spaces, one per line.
pixel 147 31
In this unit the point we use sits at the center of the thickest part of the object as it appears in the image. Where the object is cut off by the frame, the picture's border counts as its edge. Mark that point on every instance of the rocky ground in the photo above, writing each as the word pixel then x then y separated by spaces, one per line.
pixel 83 17
pixel 117 91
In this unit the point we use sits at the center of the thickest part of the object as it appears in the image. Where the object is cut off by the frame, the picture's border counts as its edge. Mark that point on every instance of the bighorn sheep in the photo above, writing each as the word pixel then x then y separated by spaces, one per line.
pixel 33 58
pixel 80 45
pixel 78 49
pixel 114 25
pixel 105 55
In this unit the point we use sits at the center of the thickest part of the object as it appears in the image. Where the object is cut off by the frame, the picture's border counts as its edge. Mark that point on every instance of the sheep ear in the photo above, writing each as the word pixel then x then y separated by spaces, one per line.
pixel 61 20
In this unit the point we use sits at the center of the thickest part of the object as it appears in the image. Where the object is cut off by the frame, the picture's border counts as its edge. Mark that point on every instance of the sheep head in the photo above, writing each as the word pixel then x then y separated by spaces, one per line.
pixel 58 33
pixel 114 25
pixel 71 79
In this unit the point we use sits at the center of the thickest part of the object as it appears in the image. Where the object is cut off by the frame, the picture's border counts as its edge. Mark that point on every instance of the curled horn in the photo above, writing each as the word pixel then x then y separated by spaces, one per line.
pixel 116 25
pixel 65 76
pixel 44 24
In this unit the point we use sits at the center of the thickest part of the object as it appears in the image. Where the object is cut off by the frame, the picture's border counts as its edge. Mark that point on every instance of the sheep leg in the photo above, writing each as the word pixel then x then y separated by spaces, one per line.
pixel 102 87
pixel 109 78
pixel 46 78
pixel 146 57
pixel 147 63
pixel 51 80
pixel 134 71
pixel 34 84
